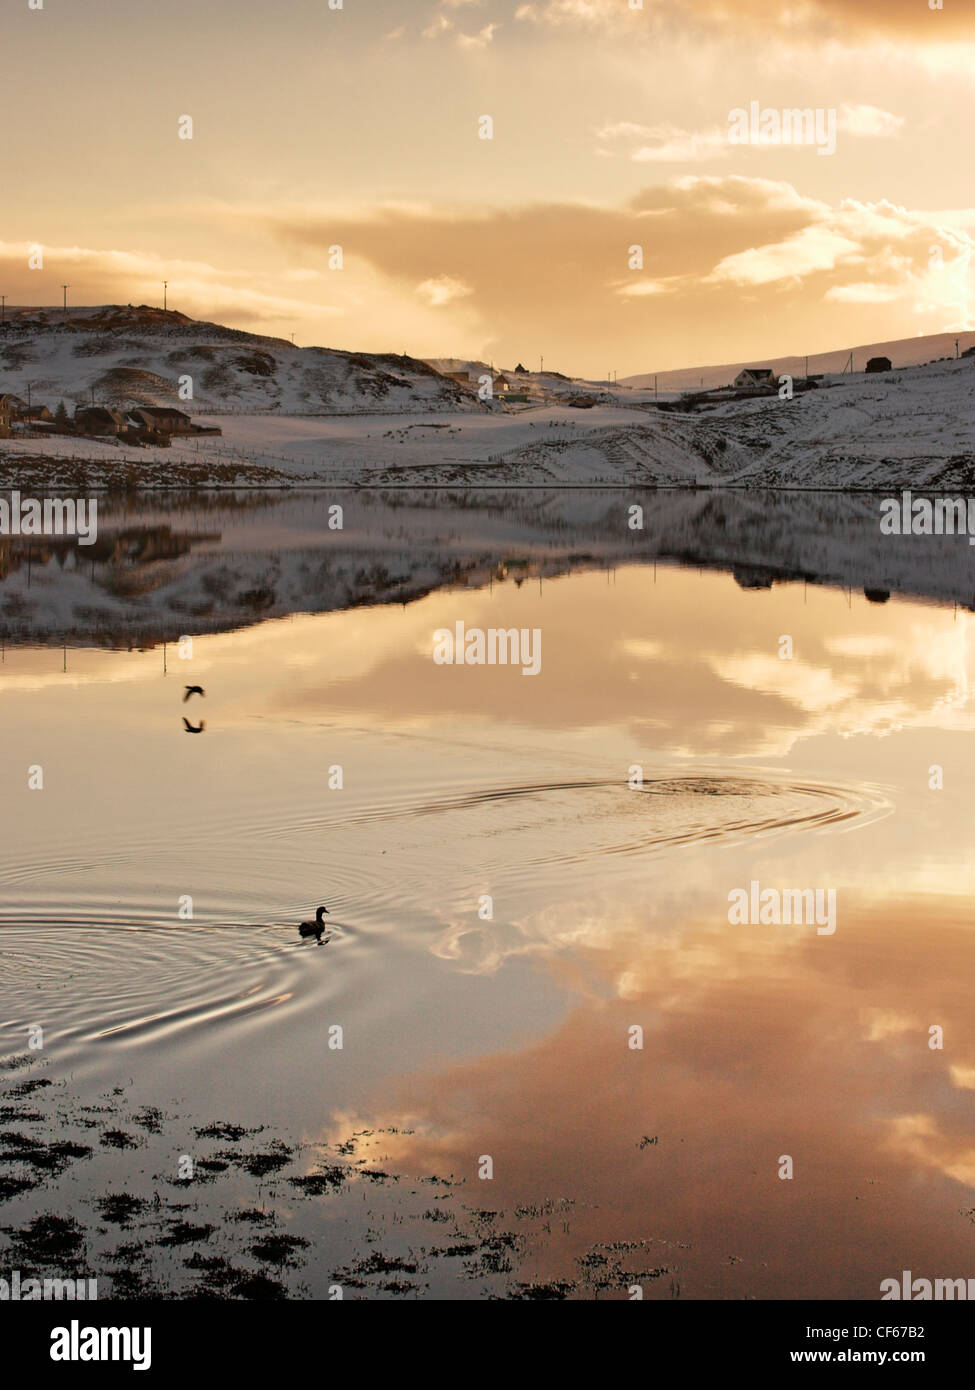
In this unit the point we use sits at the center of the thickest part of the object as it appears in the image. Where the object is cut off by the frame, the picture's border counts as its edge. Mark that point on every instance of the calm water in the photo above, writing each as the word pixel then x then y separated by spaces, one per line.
pixel 468 1036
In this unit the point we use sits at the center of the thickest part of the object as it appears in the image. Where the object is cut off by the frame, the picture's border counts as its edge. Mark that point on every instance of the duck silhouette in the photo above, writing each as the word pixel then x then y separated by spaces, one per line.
pixel 194 728
pixel 314 928
pixel 192 690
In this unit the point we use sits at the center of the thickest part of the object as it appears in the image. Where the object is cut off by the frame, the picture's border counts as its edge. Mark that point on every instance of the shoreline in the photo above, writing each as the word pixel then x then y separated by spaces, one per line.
pixel 315 484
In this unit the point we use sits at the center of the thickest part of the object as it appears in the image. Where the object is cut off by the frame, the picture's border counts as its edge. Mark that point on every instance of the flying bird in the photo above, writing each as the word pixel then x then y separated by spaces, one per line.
pixel 194 728
pixel 192 690
pixel 315 928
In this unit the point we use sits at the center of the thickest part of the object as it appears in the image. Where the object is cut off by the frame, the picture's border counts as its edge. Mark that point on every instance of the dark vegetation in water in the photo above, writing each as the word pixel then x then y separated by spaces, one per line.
pixel 119 1208
pixel 118 1139
pixel 261 1219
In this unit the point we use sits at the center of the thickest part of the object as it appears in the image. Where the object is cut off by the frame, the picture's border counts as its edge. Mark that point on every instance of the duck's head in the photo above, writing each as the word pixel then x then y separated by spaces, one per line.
pixel 322 911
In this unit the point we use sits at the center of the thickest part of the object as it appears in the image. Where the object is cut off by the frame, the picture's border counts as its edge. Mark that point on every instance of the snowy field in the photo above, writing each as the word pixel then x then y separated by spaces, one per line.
pixel 910 427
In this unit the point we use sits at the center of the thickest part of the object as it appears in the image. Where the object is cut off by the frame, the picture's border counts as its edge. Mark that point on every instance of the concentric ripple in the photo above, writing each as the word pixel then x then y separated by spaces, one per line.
pixel 91 944
pixel 600 816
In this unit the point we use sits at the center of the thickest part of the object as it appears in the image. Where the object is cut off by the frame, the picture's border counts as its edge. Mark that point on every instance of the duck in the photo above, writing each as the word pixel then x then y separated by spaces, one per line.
pixel 315 928
pixel 192 690
pixel 194 728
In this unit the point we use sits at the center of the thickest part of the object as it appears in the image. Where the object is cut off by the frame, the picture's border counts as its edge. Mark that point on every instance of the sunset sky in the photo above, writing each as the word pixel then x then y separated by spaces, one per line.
pixel 358 127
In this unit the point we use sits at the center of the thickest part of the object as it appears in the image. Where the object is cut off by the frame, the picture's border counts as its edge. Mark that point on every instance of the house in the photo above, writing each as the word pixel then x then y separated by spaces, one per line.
pixel 520 370
pixel 750 377
pixel 36 413
pixel 462 378
pixel 161 419
pixel 13 405
pixel 878 364
pixel 98 419
pixel 151 424
pixel 500 385
pixel 4 420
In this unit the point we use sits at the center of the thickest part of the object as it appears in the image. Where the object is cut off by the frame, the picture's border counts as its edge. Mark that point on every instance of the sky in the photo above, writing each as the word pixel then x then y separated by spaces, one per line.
pixel 609 223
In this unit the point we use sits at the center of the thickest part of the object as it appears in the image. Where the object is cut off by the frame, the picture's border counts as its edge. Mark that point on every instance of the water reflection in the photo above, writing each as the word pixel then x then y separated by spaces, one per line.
pixel 519 872
pixel 756 1046
pixel 212 562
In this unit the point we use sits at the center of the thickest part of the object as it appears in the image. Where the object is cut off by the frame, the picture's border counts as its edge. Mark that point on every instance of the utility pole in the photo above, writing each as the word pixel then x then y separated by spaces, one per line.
pixel 541 365
pixel 165 295
pixel 65 289
pixel 3 309
pixel 956 347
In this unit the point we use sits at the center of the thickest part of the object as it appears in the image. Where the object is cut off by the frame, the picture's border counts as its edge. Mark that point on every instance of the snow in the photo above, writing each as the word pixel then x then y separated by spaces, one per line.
pixel 137 357
pixel 396 422
pixel 903 352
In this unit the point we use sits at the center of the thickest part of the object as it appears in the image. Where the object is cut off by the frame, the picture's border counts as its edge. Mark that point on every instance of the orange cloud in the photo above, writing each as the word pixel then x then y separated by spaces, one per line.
pixel 840 19
pixel 734 258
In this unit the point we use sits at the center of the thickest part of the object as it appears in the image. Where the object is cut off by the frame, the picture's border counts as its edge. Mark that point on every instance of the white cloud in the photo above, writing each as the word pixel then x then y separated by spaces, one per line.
pixel 868 121
pixel 667 144
pixel 479 40
pixel 814 248
pixel 641 288
pixel 443 289
pixel 574 12
pixel 441 25
pixel 863 293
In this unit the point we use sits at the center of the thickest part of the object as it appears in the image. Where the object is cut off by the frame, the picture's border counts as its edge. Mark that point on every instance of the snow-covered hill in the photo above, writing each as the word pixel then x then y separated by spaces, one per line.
pixel 903 352
pixel 135 356
pixel 911 428
pixel 319 416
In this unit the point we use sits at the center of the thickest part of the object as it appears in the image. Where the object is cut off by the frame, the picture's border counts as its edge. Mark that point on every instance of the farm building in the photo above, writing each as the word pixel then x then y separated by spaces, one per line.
pixel 878 364
pixel 750 377
pixel 162 419
pixel 98 419
pixel 154 423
